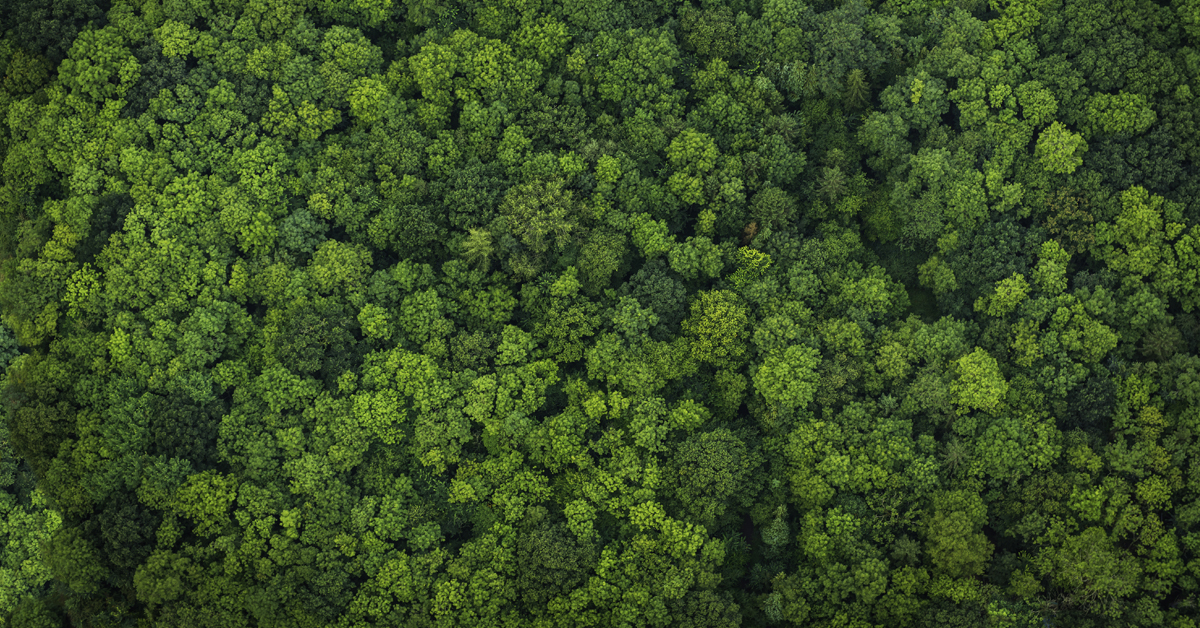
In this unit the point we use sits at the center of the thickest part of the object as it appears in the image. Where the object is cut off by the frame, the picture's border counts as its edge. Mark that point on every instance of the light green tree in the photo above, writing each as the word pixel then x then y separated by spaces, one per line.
pixel 1059 150
pixel 1122 113
pixel 717 327
pixel 1008 295
pixel 789 380
pixel 1051 272
pixel 692 155
pixel 937 276
pixel 478 248
pixel 980 385
pixel 697 257
pixel 368 98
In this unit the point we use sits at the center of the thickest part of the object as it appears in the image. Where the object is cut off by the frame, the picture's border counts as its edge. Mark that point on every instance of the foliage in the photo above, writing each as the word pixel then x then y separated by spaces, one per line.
pixel 652 313
pixel 717 327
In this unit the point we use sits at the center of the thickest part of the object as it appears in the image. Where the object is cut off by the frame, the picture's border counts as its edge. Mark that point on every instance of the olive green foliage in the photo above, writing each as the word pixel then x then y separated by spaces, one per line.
pixel 729 313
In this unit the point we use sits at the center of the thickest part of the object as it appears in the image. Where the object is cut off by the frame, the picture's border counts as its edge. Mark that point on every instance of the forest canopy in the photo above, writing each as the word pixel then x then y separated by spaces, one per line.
pixel 586 313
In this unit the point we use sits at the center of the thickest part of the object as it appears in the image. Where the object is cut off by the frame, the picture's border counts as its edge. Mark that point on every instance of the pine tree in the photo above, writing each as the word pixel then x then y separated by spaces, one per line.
pixel 856 89
pixel 478 249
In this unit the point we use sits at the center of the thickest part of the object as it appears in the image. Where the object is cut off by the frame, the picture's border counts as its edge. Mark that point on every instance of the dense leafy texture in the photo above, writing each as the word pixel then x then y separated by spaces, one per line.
pixel 438 313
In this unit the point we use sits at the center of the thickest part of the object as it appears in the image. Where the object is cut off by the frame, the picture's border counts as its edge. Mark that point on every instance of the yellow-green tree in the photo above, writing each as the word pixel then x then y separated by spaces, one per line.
pixel 717 327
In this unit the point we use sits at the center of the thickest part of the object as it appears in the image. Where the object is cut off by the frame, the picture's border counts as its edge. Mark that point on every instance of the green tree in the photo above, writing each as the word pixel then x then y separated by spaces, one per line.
pixel 633 321
pixel 651 236
pixel 692 155
pixel 707 471
pixel 1091 567
pixel 856 88
pixel 368 99
pixel 1051 272
pixel 541 214
pixel 717 327
pixel 1138 245
pixel 752 264
pixel 478 248
pixel 937 276
pixel 1059 150
pixel 99 65
pixel 1123 113
pixel 563 318
pixel 980 385
pixel 790 380
pixel 552 563
pixel 25 526
pixel 955 544
pixel 1008 296
pixel 772 207
pixel 710 33
pixel 631 68
pixel 696 258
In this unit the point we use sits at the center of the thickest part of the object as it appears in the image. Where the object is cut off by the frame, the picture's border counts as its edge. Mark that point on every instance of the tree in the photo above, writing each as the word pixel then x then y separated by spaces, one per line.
pixel 1014 447
pixel 1091 567
pixel 717 327
pixel 9 349
pixel 692 155
pixel 1008 296
pixel 790 380
pixel 651 236
pixel 98 65
pixel 298 120
pixel 1059 150
pixel 25 526
pixel 1123 113
pixel 552 562
pixel 544 39
pixel 832 183
pixel 980 385
pixel 838 43
pixel 478 248
pixel 710 33
pixel 1071 223
pixel 632 321
pixel 696 258
pixel 1051 272
pixel 885 133
pixel 1138 246
pixel 654 286
pixel 772 207
pixel 783 161
pixel 36 613
pixel 856 88
pixel 752 264
pixel 540 214
pixel 705 608
pixel 629 68
pixel 937 276
pixel 955 545
pixel 368 99
pixel 563 318
pixel 708 470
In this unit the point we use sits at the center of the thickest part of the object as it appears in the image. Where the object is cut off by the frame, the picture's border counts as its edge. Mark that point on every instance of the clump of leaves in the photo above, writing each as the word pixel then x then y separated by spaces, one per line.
pixel 1161 342
pixel 1070 222
pixel 955 454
